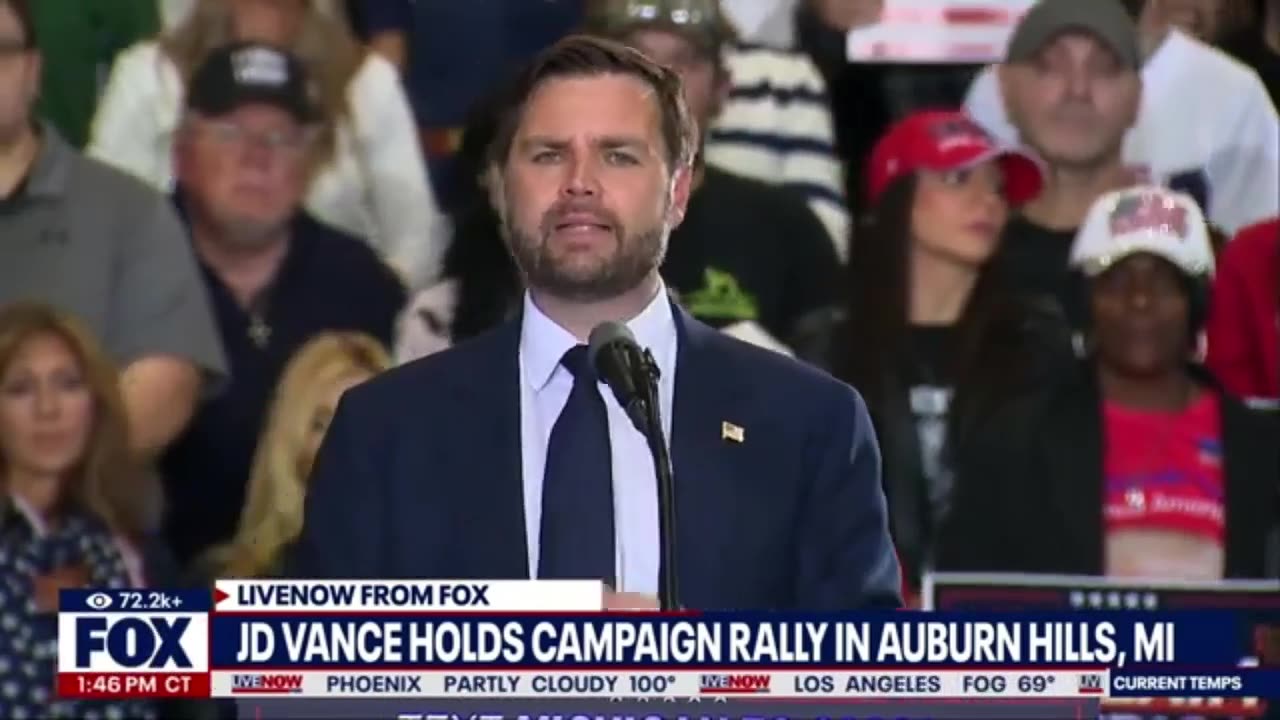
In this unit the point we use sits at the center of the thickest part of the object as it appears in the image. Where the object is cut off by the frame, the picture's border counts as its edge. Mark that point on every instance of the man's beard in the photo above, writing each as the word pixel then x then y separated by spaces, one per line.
pixel 636 257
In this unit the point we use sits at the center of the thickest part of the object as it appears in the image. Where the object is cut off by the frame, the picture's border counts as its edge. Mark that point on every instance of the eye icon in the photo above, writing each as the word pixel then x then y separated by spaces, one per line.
pixel 99 601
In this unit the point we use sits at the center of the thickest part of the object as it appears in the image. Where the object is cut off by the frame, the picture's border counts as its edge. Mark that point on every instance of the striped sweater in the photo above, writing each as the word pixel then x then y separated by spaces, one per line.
pixel 777 127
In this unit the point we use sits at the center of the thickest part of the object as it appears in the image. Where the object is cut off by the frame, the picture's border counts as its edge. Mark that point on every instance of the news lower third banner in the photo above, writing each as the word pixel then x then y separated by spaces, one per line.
pixel 765 708
pixel 481 644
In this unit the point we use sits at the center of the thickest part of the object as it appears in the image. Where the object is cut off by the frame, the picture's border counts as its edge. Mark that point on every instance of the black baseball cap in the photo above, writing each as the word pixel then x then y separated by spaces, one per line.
pixel 251 73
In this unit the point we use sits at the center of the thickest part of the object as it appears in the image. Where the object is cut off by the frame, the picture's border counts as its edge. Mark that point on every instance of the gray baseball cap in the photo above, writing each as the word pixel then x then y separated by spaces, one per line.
pixel 1107 20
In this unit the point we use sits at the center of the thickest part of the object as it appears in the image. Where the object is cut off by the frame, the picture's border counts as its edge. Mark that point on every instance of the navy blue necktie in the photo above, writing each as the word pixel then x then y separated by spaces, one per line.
pixel 576 540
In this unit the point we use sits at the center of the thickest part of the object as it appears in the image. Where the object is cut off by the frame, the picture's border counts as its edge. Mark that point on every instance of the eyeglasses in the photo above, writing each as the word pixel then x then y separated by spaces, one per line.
pixel 232 134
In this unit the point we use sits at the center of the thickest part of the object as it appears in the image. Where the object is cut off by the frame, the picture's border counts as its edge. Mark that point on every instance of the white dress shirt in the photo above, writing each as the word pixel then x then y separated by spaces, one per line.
pixel 544 390
pixel 783 136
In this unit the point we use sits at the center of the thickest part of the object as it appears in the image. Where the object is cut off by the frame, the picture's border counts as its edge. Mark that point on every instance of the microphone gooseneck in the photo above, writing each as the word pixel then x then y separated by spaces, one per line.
pixel 632 375
pixel 618 361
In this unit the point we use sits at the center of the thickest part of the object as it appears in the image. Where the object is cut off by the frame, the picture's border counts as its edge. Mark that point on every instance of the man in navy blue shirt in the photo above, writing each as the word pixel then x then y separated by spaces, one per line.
pixel 276 276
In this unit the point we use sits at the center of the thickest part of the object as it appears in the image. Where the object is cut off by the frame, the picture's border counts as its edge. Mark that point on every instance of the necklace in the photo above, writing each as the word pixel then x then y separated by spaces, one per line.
pixel 259 331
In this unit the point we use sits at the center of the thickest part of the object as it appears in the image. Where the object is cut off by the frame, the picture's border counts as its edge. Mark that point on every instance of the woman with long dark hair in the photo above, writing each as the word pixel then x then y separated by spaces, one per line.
pixel 931 342
pixel 480 286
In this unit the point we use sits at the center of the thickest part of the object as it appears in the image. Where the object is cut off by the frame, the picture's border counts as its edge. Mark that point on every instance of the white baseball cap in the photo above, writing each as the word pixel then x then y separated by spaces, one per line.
pixel 1144 219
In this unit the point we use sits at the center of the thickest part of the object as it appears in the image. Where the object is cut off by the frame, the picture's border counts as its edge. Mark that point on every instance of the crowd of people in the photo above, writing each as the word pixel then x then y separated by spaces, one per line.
pixel 1054 283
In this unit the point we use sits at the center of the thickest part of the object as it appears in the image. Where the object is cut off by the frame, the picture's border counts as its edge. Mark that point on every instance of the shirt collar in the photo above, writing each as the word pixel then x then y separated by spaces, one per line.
pixel 51 170
pixel 33 518
pixel 543 343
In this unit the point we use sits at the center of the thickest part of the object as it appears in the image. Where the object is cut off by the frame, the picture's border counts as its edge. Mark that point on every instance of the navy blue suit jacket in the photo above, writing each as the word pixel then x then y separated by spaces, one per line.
pixel 420 477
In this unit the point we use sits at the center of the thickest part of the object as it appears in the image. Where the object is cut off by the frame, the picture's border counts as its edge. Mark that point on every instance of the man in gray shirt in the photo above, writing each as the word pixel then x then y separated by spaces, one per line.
pixel 95 242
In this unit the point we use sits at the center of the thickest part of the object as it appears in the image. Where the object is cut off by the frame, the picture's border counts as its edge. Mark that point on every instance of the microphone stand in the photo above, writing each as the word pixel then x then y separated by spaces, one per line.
pixel 668 590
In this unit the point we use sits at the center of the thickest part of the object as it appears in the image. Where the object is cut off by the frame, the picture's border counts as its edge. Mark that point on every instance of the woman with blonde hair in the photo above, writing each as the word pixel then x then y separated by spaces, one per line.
pixel 369 177
pixel 308 393
pixel 76 509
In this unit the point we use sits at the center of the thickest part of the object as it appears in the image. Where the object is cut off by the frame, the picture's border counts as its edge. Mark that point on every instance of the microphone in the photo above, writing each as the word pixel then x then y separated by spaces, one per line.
pixel 619 362
pixel 632 375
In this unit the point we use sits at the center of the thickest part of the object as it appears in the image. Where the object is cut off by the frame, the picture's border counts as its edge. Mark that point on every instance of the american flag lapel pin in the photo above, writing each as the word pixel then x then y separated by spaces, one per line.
pixel 731 432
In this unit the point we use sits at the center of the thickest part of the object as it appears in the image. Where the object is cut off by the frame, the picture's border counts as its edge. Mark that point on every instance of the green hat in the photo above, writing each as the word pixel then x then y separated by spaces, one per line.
pixel 701 21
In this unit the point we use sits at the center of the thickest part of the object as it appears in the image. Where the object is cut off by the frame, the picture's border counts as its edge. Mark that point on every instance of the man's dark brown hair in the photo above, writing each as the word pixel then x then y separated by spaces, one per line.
pixel 587 56
pixel 22 10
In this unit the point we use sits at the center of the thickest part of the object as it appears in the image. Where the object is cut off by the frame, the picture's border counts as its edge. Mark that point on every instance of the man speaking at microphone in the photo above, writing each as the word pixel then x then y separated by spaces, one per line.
pixel 508 457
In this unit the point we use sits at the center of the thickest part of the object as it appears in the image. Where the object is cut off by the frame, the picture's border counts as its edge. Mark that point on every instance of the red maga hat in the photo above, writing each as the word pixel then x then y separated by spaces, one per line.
pixel 944 141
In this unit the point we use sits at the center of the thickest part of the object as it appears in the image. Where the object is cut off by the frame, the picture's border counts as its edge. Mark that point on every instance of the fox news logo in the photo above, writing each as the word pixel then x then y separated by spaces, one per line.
pixel 133 642
pixel 739 684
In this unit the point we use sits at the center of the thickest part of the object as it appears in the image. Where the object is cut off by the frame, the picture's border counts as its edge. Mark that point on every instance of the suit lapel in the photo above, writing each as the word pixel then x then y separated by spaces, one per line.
pixel 493 482
pixel 706 396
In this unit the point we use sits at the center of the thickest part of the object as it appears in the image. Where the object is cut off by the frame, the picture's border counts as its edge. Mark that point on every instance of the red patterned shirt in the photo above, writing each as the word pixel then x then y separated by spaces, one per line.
pixel 1164 496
